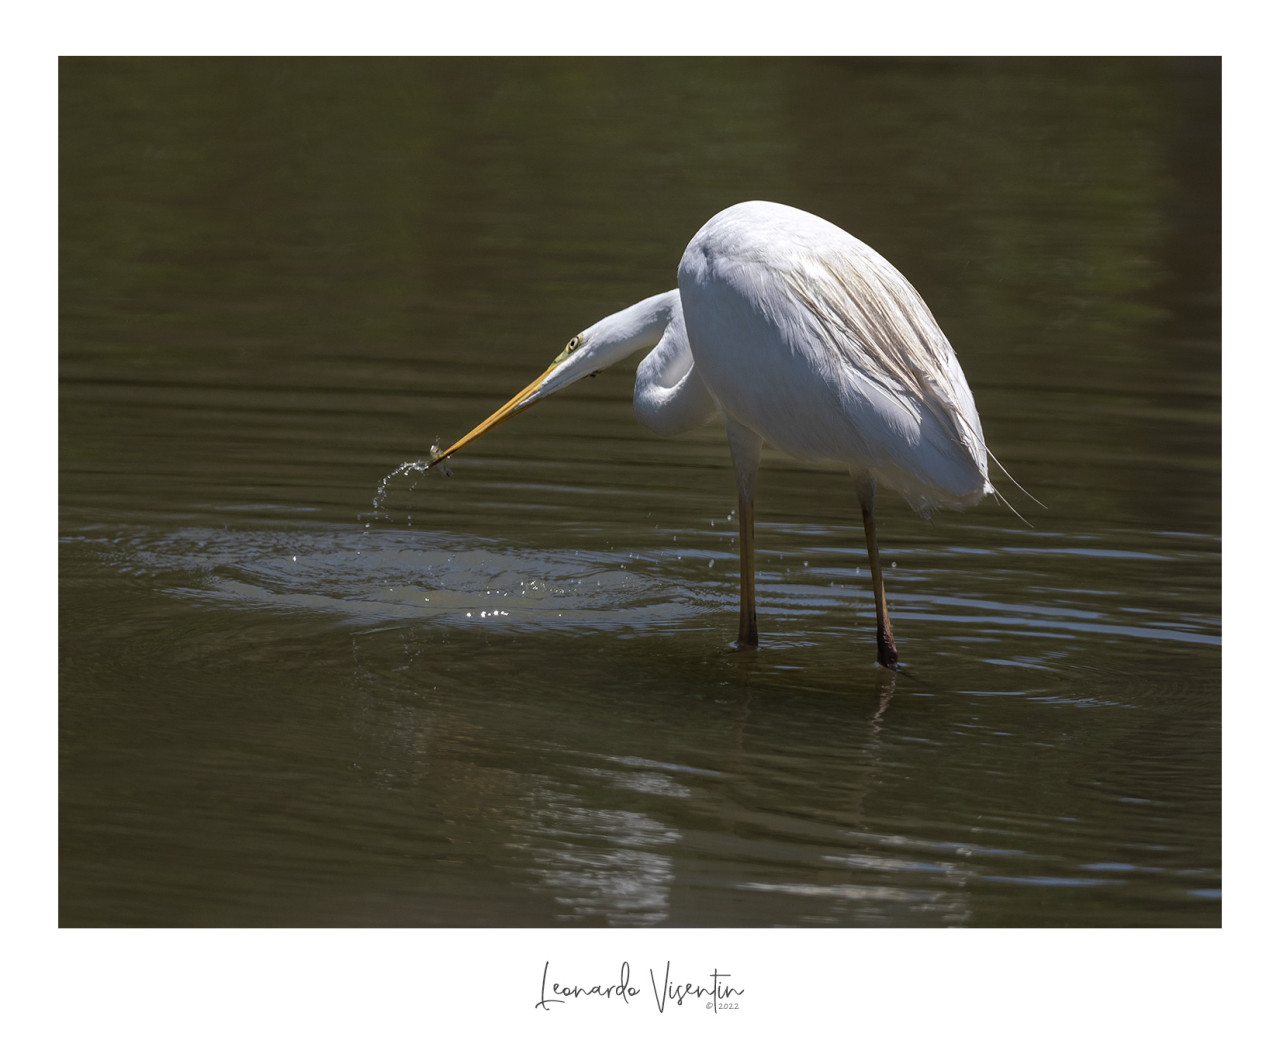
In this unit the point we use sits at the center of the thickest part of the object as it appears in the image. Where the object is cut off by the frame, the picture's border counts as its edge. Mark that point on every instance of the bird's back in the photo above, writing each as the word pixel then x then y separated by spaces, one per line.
pixel 808 337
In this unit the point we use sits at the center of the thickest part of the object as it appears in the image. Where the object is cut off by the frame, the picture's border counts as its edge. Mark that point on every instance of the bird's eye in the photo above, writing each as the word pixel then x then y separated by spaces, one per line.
pixel 568 350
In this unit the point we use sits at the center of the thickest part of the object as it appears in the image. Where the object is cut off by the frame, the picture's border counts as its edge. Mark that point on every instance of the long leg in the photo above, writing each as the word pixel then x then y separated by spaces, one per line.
pixel 886 651
pixel 744 445
pixel 747 633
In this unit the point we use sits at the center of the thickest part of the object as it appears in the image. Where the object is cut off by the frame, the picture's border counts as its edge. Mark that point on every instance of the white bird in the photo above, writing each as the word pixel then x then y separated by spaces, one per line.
pixel 799 335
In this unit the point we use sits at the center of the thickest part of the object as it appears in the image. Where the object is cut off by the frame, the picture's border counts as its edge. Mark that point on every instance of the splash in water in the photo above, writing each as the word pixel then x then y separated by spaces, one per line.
pixel 421 466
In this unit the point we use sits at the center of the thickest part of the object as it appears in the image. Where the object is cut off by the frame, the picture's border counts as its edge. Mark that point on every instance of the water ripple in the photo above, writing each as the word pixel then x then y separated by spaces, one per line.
pixel 385 574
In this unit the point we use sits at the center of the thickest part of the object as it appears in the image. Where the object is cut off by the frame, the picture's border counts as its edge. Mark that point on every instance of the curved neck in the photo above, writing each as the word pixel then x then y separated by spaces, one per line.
pixel 638 326
pixel 607 341
pixel 670 397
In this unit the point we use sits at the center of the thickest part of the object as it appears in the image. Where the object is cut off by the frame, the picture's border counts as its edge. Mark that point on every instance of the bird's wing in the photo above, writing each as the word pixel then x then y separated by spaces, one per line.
pixel 874 325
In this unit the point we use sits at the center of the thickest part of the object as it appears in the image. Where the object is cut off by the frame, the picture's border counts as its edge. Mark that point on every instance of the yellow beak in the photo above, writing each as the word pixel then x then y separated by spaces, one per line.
pixel 508 410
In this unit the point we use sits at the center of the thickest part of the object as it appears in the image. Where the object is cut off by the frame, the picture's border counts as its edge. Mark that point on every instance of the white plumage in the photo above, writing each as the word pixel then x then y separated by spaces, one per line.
pixel 798 335
pixel 858 371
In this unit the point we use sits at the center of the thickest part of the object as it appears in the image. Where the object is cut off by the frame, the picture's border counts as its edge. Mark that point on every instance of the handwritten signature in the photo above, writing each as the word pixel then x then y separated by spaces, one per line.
pixel 719 994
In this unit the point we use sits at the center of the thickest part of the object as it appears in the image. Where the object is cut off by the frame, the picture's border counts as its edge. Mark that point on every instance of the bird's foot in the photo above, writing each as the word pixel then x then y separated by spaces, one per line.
pixel 886 650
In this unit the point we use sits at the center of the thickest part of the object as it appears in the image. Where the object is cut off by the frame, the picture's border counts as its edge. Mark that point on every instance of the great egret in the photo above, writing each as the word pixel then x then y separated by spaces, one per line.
pixel 795 333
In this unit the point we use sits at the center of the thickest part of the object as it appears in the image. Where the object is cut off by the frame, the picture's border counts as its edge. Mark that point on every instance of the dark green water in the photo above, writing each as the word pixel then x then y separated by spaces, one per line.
pixel 505 698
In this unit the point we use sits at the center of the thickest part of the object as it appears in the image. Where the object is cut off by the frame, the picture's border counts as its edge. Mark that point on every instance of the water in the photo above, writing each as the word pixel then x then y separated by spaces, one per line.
pixel 299 686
